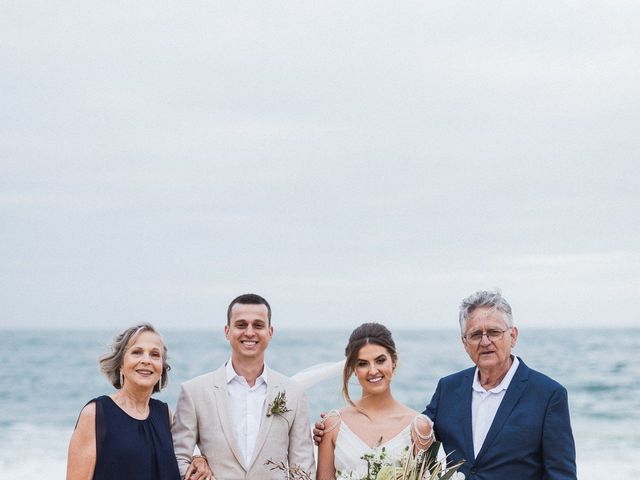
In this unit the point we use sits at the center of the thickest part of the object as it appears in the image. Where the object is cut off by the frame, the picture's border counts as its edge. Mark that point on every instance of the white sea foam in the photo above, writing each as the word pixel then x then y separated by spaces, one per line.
pixel 42 454
pixel 608 464
pixel 33 451
pixel 43 468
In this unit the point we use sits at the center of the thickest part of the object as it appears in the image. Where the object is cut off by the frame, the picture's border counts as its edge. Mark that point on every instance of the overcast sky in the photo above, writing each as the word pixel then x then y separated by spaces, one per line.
pixel 351 161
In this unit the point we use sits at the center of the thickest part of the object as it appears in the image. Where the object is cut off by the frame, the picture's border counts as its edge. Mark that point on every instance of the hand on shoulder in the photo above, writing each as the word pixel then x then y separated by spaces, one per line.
pixel 328 422
pixel 422 432
pixel 331 420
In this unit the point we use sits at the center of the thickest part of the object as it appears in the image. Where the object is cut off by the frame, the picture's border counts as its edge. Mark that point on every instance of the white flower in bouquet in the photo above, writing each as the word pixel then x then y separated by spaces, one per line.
pixel 421 466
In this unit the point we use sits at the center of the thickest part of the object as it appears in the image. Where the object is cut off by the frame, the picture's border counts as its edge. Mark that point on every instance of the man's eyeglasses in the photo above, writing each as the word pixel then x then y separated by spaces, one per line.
pixel 492 334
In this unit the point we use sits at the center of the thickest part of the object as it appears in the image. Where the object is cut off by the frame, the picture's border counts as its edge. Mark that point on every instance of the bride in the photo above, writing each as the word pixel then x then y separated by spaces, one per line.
pixel 375 427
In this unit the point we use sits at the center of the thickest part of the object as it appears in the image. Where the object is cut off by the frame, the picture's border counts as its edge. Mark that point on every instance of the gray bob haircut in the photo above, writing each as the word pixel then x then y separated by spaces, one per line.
pixel 484 299
pixel 111 362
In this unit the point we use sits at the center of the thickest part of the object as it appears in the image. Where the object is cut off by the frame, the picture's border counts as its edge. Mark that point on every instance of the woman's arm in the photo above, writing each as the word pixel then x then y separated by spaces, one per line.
pixel 326 469
pixel 81 461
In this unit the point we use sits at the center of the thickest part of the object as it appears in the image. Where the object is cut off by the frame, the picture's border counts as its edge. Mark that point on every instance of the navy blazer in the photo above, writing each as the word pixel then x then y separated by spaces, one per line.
pixel 529 439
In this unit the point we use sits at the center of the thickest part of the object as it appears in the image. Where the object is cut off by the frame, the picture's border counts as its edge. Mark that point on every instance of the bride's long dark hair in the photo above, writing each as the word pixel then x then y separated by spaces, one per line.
pixel 367 333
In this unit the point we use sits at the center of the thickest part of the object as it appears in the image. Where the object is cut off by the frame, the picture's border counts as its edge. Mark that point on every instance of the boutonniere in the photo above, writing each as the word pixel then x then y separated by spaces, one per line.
pixel 278 406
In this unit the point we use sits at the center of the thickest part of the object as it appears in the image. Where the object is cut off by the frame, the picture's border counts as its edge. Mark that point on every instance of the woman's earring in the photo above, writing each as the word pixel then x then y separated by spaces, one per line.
pixel 121 379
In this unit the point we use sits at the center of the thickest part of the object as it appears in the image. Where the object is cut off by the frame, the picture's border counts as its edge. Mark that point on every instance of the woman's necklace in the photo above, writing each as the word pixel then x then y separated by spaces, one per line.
pixel 128 403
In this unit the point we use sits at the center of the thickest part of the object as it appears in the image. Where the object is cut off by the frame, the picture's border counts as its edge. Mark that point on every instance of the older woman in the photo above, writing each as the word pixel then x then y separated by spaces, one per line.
pixel 127 434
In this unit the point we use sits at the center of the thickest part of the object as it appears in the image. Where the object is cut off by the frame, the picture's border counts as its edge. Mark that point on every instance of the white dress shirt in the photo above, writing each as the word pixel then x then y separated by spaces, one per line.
pixel 246 408
pixel 485 403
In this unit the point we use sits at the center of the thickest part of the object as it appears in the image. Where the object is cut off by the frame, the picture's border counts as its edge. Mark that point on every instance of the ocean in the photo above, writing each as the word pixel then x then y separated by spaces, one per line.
pixel 46 377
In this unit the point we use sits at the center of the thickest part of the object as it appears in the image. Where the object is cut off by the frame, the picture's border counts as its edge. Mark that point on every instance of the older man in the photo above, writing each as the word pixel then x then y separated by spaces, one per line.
pixel 507 421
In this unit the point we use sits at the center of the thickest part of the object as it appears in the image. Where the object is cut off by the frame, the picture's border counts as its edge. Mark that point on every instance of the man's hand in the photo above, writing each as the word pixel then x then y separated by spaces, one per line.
pixel 199 469
pixel 318 430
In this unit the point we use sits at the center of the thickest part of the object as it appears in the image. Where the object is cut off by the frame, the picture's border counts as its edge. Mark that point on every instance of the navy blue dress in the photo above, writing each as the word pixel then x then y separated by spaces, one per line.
pixel 128 448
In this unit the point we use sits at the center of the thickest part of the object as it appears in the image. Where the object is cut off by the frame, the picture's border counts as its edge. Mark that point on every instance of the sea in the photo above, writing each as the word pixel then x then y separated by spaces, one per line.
pixel 46 377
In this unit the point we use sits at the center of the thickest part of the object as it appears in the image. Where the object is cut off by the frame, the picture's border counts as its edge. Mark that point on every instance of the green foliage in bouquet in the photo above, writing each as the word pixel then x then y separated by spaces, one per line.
pixel 425 466
pixel 421 466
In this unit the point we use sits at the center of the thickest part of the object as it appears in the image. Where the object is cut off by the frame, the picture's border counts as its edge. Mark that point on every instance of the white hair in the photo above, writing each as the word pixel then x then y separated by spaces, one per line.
pixel 484 298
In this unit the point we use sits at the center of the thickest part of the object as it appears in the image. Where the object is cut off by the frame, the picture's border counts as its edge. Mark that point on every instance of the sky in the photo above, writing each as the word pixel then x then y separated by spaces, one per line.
pixel 350 161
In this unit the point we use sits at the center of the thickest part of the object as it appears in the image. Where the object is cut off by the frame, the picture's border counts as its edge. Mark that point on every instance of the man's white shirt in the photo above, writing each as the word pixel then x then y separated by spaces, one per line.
pixel 485 403
pixel 246 408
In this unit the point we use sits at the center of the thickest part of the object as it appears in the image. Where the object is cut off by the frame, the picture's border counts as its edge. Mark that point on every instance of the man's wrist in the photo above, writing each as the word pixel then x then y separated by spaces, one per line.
pixel 199 456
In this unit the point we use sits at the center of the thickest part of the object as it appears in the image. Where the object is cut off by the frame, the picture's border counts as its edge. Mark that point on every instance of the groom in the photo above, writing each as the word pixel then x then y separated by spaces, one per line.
pixel 243 415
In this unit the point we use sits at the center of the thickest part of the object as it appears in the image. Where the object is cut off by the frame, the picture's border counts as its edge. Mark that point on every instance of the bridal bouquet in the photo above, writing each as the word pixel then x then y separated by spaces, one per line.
pixel 421 466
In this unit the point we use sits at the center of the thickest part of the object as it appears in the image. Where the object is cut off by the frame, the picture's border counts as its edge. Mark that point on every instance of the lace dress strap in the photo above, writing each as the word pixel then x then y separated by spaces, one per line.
pixel 333 425
pixel 332 414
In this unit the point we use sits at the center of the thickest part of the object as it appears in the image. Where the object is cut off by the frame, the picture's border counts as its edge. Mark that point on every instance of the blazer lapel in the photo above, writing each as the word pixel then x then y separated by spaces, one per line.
pixel 265 423
pixel 511 397
pixel 464 392
pixel 222 401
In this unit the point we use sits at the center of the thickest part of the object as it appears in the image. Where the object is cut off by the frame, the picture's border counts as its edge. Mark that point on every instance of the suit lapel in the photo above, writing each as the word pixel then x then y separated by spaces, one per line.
pixel 224 416
pixel 465 394
pixel 265 424
pixel 511 397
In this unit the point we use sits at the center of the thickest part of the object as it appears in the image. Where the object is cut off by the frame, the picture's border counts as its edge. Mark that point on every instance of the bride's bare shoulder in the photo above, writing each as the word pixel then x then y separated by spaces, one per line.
pixel 405 412
pixel 349 411
pixel 352 416
pixel 332 420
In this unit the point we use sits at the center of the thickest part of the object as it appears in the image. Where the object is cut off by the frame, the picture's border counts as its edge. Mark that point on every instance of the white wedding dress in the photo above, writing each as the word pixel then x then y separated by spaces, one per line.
pixel 350 449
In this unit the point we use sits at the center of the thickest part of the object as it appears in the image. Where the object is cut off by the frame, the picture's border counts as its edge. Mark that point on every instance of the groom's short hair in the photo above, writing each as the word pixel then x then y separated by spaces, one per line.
pixel 249 299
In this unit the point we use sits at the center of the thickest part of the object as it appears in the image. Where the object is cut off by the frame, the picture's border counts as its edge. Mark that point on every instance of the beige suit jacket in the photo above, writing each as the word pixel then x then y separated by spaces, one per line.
pixel 202 419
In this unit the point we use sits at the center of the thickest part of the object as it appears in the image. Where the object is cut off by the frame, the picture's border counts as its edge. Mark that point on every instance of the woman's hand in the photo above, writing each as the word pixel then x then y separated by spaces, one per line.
pixel 199 469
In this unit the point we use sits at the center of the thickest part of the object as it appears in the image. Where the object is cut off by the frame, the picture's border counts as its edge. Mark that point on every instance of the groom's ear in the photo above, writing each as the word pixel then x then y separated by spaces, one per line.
pixel 226 332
